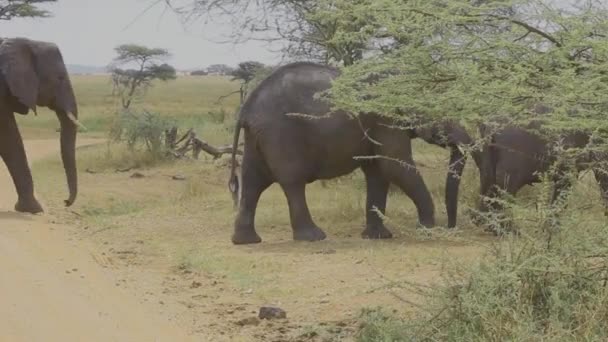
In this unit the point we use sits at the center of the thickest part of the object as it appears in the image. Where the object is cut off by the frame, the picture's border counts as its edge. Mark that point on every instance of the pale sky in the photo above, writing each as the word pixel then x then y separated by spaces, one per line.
pixel 88 30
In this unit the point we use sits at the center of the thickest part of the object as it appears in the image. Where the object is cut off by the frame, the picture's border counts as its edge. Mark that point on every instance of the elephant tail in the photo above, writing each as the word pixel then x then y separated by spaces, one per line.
pixel 233 182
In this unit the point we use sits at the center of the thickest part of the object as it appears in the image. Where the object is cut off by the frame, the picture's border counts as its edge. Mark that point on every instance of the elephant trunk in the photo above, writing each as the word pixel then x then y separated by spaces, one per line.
pixel 452 184
pixel 68 152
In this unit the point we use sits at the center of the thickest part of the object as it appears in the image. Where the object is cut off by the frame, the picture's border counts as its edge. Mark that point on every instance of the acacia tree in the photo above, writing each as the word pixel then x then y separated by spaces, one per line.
pixel 491 63
pixel 246 72
pixel 10 9
pixel 480 63
pixel 295 23
pixel 134 82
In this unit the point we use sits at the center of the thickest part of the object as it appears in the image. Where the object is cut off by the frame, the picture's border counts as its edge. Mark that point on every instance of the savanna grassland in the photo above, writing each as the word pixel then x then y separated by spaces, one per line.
pixel 170 239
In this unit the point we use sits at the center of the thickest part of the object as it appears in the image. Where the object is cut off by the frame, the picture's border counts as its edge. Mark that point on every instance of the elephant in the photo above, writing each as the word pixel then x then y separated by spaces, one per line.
pixel 513 157
pixel 33 73
pixel 291 138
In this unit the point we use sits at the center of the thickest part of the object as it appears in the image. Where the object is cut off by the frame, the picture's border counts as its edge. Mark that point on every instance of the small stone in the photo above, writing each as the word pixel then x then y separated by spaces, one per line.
pixel 248 321
pixel 269 312
pixel 250 291
pixel 195 285
pixel 179 178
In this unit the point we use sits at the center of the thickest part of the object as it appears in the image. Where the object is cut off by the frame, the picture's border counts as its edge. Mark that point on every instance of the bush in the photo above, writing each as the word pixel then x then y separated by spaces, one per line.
pixel 140 129
pixel 549 283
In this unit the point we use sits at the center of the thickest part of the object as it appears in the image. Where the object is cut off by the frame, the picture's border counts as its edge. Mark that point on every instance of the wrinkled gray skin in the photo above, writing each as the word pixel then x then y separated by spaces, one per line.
pixel 294 151
pixel 32 74
pixel 514 157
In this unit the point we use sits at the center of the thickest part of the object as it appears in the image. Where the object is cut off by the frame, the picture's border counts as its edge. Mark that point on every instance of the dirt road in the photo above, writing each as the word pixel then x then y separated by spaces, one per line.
pixel 51 287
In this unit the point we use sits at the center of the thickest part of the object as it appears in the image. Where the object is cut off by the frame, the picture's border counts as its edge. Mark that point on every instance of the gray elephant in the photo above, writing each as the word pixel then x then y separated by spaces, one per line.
pixel 32 74
pixel 513 157
pixel 293 150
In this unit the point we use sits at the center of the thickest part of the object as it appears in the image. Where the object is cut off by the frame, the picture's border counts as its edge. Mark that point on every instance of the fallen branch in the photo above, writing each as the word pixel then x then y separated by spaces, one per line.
pixel 216 152
pixel 221 98
pixel 190 142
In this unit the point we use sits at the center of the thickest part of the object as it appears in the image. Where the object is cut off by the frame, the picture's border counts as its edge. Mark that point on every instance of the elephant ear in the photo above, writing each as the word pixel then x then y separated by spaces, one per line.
pixel 17 67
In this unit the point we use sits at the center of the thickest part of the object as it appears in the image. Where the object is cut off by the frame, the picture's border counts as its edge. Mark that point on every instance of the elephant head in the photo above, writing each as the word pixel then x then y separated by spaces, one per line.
pixel 449 134
pixel 34 74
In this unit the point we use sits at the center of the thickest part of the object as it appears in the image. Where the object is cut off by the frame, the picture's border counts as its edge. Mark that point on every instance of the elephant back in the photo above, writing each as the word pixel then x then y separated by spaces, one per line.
pixel 290 89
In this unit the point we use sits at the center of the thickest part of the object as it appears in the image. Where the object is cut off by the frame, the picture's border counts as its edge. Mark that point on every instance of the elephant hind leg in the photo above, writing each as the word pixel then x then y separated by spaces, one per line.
pixel 254 181
pixel 377 191
pixel 304 229
pixel 13 154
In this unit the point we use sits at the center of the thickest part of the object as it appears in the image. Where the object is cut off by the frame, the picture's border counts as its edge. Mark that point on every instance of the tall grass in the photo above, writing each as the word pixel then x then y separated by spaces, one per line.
pixel 194 101
pixel 549 283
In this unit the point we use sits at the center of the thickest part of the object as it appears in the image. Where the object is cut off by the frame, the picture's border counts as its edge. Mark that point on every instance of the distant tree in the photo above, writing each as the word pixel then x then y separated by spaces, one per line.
pixel 219 69
pixel 245 73
pixel 199 73
pixel 10 9
pixel 131 83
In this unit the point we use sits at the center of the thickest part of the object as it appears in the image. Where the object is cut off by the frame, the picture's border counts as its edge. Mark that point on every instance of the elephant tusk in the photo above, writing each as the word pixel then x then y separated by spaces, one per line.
pixel 75 121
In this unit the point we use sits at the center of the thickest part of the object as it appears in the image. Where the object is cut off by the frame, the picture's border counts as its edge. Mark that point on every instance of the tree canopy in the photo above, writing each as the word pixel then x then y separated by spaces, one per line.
pixel 295 24
pixel 249 74
pixel 491 61
pixel 10 9
pixel 472 61
pixel 133 82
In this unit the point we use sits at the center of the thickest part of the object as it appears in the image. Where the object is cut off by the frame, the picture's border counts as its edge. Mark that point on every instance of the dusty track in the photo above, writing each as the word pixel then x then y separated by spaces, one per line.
pixel 51 287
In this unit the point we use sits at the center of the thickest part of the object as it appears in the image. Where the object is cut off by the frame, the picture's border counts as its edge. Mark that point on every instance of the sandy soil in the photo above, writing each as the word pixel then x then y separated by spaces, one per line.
pixel 54 288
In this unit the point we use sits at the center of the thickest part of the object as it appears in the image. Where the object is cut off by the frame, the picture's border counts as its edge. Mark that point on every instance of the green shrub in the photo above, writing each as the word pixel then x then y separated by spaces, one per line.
pixel 140 129
pixel 548 283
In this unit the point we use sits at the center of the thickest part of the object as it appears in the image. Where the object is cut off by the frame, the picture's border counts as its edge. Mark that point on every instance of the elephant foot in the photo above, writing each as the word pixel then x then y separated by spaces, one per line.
pixel 309 234
pixel 30 206
pixel 245 237
pixel 376 233
pixel 426 224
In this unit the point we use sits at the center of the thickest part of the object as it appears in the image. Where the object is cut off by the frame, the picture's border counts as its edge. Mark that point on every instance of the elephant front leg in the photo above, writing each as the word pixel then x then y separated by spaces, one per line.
pixel 377 191
pixel 304 229
pixel 12 152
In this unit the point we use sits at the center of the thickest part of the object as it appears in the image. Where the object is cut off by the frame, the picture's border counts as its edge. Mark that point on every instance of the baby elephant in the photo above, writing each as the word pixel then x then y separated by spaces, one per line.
pixel 294 150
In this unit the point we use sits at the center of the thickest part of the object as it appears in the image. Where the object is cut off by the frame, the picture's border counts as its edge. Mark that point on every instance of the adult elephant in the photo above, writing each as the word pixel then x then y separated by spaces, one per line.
pixel 513 157
pixel 32 73
pixel 294 150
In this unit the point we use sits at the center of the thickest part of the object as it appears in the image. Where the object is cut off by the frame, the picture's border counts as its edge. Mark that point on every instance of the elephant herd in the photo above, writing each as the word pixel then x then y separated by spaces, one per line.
pixel 289 139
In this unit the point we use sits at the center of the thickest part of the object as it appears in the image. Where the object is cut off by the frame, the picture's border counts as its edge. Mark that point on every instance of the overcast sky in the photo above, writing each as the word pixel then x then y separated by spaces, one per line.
pixel 88 30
